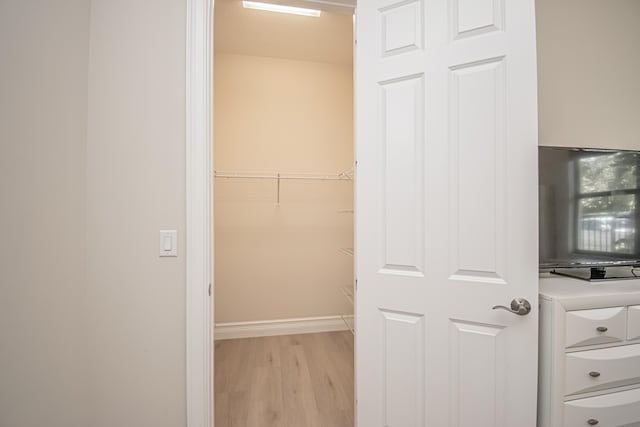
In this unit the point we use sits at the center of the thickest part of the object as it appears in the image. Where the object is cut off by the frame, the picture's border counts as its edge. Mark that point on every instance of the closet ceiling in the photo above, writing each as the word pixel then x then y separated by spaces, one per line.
pixel 328 38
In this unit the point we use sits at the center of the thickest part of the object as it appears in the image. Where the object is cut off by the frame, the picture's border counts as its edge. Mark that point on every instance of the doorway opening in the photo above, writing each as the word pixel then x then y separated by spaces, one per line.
pixel 283 216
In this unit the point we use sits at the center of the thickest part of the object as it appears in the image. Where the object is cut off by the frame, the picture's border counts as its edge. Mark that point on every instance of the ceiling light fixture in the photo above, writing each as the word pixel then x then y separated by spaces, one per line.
pixel 280 8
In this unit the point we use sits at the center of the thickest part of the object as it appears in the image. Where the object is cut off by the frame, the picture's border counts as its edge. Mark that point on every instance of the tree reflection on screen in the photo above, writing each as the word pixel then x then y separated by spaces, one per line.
pixel 606 200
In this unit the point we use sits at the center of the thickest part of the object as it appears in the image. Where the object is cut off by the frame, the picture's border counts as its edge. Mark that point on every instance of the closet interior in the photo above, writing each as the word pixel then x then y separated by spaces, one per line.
pixel 283 216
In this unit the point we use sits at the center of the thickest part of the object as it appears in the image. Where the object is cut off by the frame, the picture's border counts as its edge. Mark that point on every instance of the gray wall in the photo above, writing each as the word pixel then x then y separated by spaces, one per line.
pixel 92 322
pixel 44 47
pixel 135 187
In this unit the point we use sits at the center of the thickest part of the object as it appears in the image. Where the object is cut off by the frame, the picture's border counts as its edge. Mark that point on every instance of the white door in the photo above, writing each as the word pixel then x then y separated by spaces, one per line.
pixel 446 126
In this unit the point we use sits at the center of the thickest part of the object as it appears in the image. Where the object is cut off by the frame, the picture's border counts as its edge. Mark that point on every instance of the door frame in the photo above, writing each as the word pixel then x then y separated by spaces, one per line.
pixel 199 206
pixel 199 212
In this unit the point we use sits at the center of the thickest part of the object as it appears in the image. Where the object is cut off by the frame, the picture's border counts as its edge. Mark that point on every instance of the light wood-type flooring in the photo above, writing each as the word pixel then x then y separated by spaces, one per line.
pixel 285 381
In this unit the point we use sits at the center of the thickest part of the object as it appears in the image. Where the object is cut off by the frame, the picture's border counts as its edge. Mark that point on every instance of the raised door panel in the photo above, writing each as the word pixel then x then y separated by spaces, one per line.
pixel 474 17
pixel 478 374
pixel 402 170
pixel 478 171
pixel 404 368
pixel 402 27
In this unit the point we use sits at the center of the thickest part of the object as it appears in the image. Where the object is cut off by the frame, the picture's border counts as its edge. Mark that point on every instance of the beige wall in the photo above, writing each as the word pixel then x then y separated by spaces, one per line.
pixel 43 116
pixel 276 262
pixel 588 62
pixel 135 187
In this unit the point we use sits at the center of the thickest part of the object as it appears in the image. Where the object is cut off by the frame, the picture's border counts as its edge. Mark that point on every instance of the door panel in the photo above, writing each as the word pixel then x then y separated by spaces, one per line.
pixel 477 374
pixel 477 170
pixel 474 17
pixel 446 224
pixel 402 28
pixel 403 162
pixel 403 368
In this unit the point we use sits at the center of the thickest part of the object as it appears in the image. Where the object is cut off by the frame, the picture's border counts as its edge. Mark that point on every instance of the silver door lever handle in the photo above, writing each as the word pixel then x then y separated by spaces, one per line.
pixel 519 306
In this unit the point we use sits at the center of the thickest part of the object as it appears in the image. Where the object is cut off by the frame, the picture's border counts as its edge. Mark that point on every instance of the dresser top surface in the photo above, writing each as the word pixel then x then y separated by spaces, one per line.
pixel 559 287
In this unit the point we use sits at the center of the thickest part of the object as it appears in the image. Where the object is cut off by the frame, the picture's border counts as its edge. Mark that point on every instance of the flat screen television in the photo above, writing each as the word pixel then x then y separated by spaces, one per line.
pixel 589 208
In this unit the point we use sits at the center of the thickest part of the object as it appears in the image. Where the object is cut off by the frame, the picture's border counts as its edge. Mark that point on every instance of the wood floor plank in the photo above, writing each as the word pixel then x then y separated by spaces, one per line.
pixel 238 409
pixel 221 414
pixel 285 381
pixel 333 384
pixel 297 389
pixel 265 398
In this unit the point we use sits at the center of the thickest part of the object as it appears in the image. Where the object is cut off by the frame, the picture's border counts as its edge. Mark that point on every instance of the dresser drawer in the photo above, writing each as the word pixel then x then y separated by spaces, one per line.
pixel 609 410
pixel 633 332
pixel 599 369
pixel 599 326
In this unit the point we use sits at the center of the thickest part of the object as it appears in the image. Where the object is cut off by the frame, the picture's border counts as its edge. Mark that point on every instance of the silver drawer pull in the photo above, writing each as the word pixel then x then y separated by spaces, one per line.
pixel 592 422
pixel 594 374
pixel 602 329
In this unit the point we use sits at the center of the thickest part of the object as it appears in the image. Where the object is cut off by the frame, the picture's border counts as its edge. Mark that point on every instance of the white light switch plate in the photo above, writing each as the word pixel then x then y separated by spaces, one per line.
pixel 169 243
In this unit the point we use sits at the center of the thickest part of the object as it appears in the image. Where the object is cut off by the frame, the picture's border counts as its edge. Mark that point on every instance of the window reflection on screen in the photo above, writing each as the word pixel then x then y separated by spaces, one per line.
pixel 606 203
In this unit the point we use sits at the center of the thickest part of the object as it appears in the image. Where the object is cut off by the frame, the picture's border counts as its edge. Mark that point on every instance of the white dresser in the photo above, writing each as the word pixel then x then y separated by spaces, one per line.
pixel 589 353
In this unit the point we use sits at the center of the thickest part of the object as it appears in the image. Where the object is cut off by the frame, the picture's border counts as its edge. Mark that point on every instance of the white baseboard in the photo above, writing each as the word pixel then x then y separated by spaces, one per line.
pixel 268 328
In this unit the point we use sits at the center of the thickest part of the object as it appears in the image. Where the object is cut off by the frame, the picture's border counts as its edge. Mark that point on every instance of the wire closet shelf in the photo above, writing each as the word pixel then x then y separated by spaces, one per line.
pixel 346 175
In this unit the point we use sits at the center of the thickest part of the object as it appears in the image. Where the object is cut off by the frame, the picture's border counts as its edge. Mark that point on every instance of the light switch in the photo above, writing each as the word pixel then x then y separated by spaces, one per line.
pixel 169 243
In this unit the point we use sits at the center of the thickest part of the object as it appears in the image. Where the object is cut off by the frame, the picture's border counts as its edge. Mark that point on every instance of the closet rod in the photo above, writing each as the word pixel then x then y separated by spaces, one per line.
pixel 277 176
